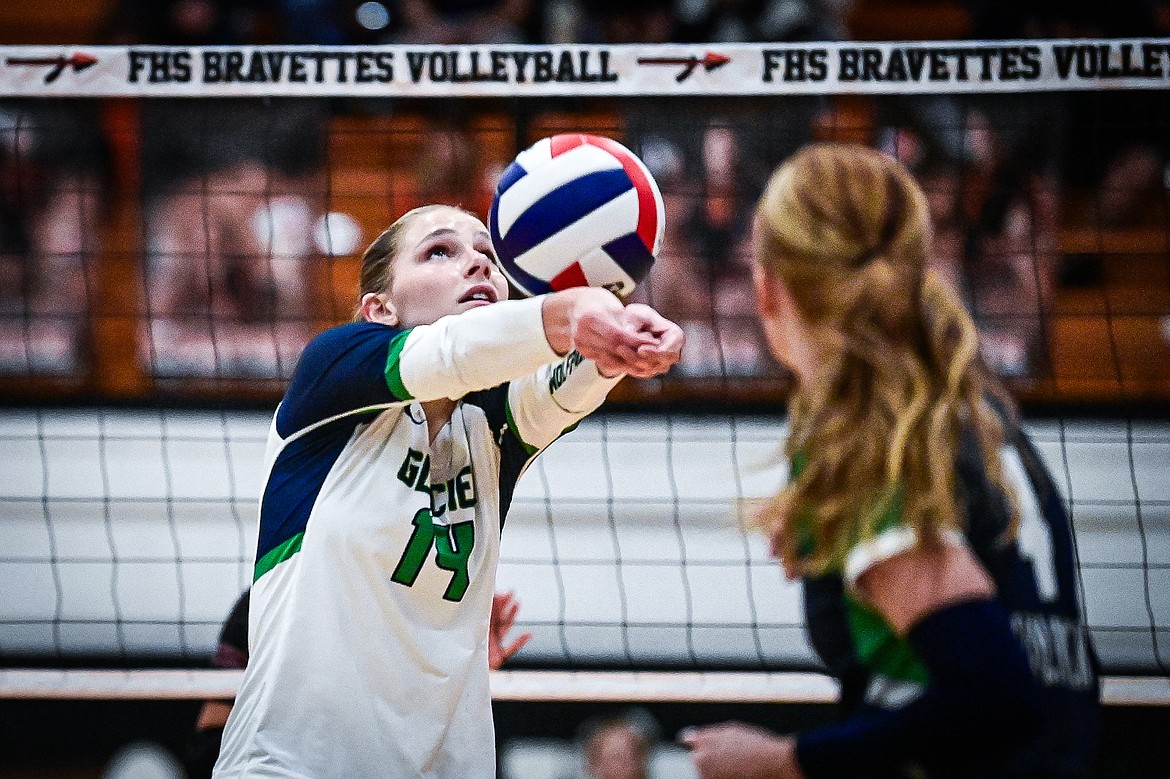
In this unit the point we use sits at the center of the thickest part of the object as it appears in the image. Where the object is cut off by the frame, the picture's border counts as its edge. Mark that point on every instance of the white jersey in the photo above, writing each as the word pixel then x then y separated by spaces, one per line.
pixel 377 548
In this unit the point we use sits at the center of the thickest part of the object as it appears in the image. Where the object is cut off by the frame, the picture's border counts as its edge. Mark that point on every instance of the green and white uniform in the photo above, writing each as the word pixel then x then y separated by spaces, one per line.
pixel 377 547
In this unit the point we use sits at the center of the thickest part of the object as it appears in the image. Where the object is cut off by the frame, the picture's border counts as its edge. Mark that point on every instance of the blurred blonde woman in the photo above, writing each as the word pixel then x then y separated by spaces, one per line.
pixel 935 553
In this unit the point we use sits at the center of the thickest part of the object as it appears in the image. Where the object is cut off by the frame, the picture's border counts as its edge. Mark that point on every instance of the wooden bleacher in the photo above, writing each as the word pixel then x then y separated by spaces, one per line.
pixel 1110 340
pixel 1107 340
pixel 40 22
pixel 889 20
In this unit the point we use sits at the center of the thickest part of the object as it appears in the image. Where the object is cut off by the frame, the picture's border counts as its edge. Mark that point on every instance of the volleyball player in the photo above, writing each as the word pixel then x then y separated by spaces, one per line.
pixel 947 597
pixel 391 465
pixel 202 747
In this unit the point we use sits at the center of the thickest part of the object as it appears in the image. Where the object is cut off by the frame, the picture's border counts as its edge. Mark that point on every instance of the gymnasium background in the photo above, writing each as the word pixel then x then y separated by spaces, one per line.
pixel 162 261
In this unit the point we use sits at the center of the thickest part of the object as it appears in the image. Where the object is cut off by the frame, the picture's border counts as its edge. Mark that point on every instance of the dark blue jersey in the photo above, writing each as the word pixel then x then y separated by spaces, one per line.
pixel 1036 580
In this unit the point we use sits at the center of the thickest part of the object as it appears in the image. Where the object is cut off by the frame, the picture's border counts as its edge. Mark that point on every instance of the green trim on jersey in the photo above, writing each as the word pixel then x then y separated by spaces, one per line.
pixel 277 555
pixel 529 448
pixel 393 370
pixel 877 646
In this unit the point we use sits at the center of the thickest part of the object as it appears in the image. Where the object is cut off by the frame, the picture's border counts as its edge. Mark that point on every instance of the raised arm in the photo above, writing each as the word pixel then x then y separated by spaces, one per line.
pixel 494 344
pixel 365 364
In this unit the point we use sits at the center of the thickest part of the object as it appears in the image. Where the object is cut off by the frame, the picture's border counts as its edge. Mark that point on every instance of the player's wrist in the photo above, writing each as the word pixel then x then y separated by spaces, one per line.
pixel 565 311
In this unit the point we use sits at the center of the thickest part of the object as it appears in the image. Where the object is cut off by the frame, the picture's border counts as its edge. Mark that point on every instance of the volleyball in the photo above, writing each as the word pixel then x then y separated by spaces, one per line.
pixel 576 210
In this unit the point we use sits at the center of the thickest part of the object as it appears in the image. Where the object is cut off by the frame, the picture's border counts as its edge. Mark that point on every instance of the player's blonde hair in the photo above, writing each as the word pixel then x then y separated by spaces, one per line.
pixel 378 258
pixel 877 428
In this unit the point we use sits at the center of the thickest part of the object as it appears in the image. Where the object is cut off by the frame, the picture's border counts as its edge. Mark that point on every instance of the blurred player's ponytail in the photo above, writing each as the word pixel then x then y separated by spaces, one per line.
pixel 877 429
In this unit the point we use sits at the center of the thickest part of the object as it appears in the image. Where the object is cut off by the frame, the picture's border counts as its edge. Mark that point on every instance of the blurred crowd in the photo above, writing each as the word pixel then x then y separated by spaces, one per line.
pixel 234 194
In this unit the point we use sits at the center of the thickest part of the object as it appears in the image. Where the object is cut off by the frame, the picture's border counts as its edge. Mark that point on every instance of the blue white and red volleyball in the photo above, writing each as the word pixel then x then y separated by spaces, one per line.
pixel 576 210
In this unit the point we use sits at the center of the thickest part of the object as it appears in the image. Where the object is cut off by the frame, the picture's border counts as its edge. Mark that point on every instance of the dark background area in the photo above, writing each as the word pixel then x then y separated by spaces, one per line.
pixel 77 737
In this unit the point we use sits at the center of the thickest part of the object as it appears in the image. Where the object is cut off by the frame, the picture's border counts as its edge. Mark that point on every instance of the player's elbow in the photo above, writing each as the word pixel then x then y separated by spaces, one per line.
pixel 981 682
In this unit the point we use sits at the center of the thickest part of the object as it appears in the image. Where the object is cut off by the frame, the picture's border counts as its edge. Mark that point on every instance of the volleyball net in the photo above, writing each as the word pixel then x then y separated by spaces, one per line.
pixel 176 223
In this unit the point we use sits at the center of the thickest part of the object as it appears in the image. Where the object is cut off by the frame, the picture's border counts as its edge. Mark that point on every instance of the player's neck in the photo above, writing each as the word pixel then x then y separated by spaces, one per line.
pixel 438 414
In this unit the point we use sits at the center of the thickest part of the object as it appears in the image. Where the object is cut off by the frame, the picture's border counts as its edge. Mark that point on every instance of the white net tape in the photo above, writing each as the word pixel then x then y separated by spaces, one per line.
pixel 564 686
pixel 585 71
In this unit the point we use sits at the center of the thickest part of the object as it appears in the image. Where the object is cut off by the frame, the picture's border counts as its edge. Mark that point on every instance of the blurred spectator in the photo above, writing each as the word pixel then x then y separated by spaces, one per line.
pixel 619 747
pixel 712 160
pixel 622 744
pixel 1038 145
pixel 451 22
pixel 53 162
pixel 143 760
pixel 1118 139
pixel 1012 249
pixel 228 226
pixel 451 158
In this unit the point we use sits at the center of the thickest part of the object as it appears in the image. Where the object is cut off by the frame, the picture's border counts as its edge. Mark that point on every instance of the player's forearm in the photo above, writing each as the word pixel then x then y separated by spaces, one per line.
pixel 575 385
pixel 544 404
pixel 475 350
pixel 981 703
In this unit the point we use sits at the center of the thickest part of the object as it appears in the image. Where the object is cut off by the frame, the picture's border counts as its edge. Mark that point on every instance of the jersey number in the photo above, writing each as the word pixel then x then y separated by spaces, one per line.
pixel 453 545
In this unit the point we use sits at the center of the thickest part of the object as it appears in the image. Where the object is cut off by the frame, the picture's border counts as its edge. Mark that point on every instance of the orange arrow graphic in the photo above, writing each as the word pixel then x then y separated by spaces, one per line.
pixel 78 62
pixel 710 61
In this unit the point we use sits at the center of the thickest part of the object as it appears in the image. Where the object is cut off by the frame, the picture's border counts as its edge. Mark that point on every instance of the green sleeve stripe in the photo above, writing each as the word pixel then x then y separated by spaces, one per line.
pixel 512 426
pixel 277 556
pixel 394 368
pixel 879 648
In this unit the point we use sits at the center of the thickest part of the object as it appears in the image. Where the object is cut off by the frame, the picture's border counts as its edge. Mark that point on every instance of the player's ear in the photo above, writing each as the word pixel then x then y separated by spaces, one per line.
pixel 376 307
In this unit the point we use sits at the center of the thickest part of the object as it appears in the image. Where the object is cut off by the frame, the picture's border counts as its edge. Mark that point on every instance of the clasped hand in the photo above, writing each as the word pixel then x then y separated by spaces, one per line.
pixel 635 339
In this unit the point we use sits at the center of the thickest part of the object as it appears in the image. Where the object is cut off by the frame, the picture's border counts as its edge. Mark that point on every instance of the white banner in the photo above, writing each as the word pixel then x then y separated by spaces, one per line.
pixel 534 71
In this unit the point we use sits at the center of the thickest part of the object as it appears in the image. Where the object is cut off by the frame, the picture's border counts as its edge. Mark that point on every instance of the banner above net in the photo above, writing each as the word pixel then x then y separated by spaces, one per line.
pixel 583 71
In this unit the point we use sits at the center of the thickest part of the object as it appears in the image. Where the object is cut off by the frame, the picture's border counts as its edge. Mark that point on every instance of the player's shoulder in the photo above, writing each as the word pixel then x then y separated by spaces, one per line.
pixel 351 332
pixel 343 339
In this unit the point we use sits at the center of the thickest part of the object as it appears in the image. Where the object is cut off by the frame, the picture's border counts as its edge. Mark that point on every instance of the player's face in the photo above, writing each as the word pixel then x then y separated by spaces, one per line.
pixel 617 754
pixel 445 265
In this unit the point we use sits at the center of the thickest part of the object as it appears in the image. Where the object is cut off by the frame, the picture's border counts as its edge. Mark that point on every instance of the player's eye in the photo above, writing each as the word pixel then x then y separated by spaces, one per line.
pixel 439 251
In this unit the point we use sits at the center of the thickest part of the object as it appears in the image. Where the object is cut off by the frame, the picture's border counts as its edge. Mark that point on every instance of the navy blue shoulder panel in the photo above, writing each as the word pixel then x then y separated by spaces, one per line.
pixel 296 479
pixel 342 369
pixel 513 455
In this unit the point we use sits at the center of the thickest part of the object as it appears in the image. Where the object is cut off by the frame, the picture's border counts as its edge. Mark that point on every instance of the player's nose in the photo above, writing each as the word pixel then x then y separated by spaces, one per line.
pixel 477 265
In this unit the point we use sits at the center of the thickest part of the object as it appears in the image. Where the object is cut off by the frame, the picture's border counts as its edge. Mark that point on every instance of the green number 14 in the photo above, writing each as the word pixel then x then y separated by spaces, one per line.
pixel 453 545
